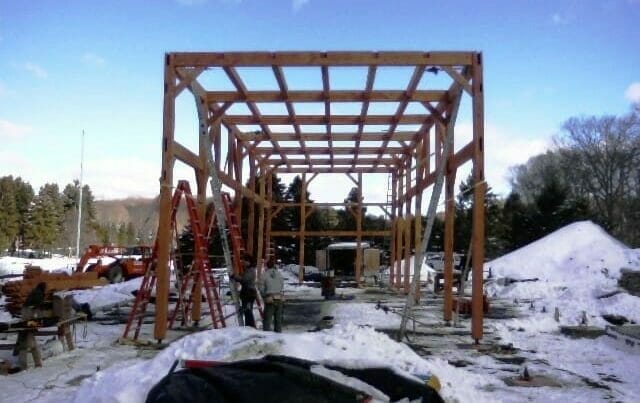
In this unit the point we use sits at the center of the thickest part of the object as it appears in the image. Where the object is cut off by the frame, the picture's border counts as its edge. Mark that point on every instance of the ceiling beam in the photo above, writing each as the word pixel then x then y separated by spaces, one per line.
pixel 332 95
pixel 267 59
pixel 320 119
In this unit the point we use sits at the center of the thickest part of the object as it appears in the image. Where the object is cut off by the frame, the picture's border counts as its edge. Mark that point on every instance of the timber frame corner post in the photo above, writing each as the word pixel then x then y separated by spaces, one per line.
pixel 414 122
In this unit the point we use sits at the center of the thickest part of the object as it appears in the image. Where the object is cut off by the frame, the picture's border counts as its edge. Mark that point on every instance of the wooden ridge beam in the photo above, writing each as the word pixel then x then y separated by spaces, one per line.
pixel 343 58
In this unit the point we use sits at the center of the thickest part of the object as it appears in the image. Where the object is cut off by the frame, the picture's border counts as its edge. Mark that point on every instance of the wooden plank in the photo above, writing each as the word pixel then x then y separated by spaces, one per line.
pixel 320 119
pixel 343 58
pixel 303 199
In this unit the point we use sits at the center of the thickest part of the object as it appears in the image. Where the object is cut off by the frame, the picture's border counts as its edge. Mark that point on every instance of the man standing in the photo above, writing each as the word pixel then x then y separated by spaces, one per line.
pixel 272 288
pixel 248 291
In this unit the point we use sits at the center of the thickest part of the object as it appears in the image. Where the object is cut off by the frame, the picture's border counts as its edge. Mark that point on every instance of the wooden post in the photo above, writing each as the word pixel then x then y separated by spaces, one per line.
pixel 251 222
pixel 399 250
pixel 260 251
pixel 449 217
pixel 359 265
pixel 202 176
pixel 303 201
pixel 406 279
pixel 267 240
pixel 417 237
pixel 166 183
pixel 478 199
pixel 394 224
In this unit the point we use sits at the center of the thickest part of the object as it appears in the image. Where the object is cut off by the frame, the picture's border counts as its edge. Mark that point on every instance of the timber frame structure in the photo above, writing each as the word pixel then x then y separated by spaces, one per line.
pixel 402 147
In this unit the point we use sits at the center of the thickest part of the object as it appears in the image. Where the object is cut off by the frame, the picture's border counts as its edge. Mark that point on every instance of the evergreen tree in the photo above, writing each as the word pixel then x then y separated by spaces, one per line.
pixel 9 217
pixel 45 218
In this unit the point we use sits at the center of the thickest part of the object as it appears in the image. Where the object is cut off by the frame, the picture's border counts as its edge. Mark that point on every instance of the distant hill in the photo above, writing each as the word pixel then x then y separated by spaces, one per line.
pixel 141 212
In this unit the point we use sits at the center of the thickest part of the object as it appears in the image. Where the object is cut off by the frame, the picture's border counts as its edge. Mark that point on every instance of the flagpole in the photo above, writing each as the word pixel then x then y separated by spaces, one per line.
pixel 80 198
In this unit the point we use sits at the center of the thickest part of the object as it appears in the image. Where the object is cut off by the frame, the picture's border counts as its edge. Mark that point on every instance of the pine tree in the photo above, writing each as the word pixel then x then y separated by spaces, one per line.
pixel 45 218
pixel 9 217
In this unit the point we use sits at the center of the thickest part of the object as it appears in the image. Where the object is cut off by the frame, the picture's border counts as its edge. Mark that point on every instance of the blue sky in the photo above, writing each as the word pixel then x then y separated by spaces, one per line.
pixel 66 66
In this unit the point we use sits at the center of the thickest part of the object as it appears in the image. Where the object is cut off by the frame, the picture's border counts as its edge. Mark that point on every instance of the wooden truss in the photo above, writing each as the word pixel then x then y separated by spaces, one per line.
pixel 411 129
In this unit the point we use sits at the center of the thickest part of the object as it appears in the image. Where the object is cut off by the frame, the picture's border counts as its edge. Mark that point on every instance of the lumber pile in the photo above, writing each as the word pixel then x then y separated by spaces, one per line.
pixel 17 291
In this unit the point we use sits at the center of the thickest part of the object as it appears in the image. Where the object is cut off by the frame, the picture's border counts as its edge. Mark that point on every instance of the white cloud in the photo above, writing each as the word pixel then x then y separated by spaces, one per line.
pixel 36 70
pixel 298 4
pixel 92 59
pixel 115 178
pixel 12 131
pixel 558 19
pixel 503 149
pixel 633 92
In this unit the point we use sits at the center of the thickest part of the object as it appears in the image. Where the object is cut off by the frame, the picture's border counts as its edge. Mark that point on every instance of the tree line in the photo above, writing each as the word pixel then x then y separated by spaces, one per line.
pixel 47 221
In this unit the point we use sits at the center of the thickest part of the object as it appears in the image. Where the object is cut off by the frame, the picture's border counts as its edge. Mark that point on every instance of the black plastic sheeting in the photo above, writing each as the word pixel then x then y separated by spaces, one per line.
pixel 281 379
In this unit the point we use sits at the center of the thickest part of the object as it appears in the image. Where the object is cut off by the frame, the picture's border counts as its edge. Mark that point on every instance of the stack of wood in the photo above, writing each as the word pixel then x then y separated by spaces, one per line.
pixel 18 291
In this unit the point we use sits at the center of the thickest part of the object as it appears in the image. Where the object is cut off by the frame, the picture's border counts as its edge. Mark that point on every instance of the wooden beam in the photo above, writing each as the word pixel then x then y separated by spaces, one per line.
pixel 166 184
pixel 371 77
pixel 187 156
pixel 478 200
pixel 343 58
pixel 339 161
pixel 327 108
pixel 457 77
pixel 295 151
pixel 329 233
pixel 234 77
pixel 399 115
pixel 331 96
pixel 284 90
pixel 321 136
pixel 334 170
pixel 320 120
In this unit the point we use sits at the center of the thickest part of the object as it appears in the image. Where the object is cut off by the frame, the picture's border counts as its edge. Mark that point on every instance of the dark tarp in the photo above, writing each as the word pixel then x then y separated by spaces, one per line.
pixel 280 379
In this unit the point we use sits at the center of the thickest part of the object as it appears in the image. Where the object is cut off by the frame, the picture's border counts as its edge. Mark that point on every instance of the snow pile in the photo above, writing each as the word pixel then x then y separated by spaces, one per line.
pixel 107 295
pixel 576 267
pixel 349 345
pixel 426 272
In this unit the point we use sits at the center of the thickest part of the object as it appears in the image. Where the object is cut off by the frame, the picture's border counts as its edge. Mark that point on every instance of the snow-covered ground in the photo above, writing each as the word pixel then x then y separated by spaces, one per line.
pixel 16 265
pixel 575 267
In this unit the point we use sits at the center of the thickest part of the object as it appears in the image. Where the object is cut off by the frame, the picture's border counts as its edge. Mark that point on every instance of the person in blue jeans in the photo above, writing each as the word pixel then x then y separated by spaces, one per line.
pixel 272 289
